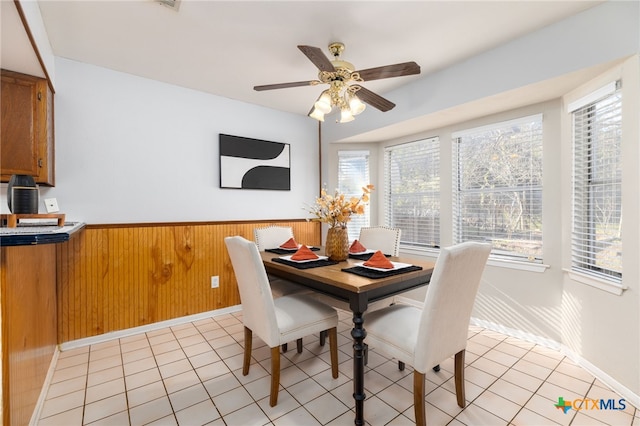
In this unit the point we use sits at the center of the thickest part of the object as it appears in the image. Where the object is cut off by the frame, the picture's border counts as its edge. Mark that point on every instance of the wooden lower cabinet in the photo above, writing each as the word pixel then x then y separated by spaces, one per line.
pixel 29 321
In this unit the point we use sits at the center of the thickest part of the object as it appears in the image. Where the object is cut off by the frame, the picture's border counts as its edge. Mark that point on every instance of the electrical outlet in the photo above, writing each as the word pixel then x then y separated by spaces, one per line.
pixel 215 282
pixel 52 205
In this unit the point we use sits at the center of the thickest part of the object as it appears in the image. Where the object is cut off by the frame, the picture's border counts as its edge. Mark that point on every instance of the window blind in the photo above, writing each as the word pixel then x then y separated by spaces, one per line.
pixel 498 187
pixel 412 192
pixel 353 174
pixel 597 188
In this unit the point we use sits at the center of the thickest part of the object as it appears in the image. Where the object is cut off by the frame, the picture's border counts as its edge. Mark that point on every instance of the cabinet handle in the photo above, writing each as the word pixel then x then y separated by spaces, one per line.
pixel 39 96
pixel 40 162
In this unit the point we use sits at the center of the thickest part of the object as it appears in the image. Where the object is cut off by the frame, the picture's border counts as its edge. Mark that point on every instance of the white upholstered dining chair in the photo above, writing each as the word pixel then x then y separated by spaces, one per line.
pixel 271 237
pixel 382 238
pixel 424 337
pixel 275 320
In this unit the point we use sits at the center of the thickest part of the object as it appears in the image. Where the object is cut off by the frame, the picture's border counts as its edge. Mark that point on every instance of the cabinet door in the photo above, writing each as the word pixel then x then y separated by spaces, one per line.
pixel 26 145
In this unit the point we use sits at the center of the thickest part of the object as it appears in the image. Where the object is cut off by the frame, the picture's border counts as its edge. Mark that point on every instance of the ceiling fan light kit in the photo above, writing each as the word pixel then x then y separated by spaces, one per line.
pixel 344 92
pixel 323 104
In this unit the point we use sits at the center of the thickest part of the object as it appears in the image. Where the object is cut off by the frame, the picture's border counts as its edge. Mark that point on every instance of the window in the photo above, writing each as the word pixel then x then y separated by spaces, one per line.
pixel 497 191
pixel 353 174
pixel 412 192
pixel 597 183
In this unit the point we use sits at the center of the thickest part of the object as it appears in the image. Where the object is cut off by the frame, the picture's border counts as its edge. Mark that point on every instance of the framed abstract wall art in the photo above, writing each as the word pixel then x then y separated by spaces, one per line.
pixel 247 163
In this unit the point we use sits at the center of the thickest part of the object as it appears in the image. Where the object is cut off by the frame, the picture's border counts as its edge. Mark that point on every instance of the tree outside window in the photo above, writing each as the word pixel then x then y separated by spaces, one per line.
pixel 498 187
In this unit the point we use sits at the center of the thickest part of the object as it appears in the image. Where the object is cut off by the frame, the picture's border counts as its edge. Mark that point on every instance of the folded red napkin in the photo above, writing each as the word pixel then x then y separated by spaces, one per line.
pixel 356 247
pixel 289 244
pixel 304 253
pixel 379 260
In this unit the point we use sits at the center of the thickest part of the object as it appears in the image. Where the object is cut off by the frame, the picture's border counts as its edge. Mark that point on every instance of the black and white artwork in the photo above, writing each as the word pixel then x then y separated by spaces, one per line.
pixel 247 163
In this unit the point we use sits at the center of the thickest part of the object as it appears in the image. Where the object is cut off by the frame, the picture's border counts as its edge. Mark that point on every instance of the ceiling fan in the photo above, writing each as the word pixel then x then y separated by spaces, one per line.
pixel 344 90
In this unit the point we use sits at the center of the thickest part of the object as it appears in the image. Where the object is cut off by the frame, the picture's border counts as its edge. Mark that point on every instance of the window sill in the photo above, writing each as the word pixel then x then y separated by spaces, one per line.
pixel 608 286
pixel 421 252
pixel 518 264
pixel 501 263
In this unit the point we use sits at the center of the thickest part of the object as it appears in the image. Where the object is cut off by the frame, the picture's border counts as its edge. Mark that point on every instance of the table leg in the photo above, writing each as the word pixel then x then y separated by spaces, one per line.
pixel 358 333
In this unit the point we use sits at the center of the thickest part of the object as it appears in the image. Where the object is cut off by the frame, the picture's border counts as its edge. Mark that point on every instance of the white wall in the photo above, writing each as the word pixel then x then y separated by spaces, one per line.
pixel 131 150
pixel 601 327
pixel 597 328
pixel 134 150
pixel 596 36
pixel 512 298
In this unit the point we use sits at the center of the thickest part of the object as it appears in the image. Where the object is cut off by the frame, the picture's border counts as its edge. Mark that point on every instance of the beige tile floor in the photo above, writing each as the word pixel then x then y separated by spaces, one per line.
pixel 191 375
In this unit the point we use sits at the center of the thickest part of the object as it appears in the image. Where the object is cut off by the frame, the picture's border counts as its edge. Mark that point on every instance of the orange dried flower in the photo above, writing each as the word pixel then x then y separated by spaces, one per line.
pixel 336 210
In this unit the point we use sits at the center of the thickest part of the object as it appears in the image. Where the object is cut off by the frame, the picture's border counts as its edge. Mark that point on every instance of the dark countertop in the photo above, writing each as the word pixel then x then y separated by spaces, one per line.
pixel 38 233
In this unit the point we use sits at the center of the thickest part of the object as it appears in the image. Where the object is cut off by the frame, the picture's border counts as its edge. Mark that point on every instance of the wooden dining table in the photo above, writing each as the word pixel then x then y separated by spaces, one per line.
pixel 356 290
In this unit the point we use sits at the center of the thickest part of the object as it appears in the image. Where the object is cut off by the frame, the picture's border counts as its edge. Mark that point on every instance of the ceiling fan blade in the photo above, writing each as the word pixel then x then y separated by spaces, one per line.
pixel 387 71
pixel 318 58
pixel 373 99
pixel 285 85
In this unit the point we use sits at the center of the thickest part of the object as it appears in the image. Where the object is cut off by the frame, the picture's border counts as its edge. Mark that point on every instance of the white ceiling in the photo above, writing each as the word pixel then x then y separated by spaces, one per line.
pixel 227 47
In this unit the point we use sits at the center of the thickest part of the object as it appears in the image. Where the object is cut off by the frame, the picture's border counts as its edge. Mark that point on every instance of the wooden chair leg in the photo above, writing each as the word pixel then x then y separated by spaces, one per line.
pixel 275 375
pixel 333 350
pixel 459 378
pixel 299 345
pixel 248 334
pixel 418 398
pixel 323 337
pixel 284 347
pixel 401 365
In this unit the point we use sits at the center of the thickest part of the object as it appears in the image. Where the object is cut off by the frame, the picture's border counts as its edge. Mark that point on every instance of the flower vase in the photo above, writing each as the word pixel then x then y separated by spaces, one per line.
pixel 337 243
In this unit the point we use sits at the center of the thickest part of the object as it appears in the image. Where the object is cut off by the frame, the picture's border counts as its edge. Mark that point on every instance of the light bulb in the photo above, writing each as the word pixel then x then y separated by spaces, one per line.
pixel 324 102
pixel 356 105
pixel 317 114
pixel 345 115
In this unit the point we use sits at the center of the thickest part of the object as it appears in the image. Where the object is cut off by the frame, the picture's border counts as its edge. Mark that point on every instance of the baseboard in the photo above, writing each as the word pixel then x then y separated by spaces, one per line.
pixel 116 335
pixel 519 334
pixel 45 387
pixel 145 328
pixel 616 386
pixel 622 390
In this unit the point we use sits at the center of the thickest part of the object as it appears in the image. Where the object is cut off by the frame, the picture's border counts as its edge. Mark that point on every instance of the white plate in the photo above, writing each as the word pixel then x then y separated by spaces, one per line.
pixel 396 266
pixel 303 261
pixel 367 251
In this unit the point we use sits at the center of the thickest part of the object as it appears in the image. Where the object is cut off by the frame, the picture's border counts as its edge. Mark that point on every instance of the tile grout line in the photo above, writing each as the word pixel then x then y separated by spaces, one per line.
pixel 522 406
pixel 316 356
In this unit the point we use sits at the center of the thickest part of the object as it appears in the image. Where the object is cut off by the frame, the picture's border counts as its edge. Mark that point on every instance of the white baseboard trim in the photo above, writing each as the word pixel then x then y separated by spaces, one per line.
pixel 519 334
pixel 115 335
pixel 145 328
pixel 616 386
pixel 626 393
pixel 35 416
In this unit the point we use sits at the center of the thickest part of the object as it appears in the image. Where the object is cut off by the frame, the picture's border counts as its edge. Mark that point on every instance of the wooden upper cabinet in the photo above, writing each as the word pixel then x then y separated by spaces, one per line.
pixel 27 136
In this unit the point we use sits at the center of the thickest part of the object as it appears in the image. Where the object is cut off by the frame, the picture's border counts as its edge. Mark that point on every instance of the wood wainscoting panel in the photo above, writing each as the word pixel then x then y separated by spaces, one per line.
pixel 115 277
pixel 28 277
